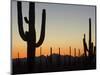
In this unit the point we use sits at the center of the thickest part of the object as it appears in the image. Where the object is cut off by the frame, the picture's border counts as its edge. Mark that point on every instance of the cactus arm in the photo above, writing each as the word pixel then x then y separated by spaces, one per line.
pixel 42 35
pixel 26 20
pixel 20 21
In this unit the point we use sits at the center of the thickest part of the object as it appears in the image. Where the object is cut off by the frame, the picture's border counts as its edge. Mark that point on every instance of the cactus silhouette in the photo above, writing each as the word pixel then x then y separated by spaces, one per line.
pixel 70 55
pixel 74 52
pixel 59 51
pixel 90 49
pixel 50 55
pixel 90 43
pixel 79 52
pixel 59 57
pixel 70 51
pixel 74 55
pixel 30 36
pixel 85 46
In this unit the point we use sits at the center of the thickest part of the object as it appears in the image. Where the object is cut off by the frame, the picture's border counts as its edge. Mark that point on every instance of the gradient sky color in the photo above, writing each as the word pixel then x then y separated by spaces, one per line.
pixel 65 26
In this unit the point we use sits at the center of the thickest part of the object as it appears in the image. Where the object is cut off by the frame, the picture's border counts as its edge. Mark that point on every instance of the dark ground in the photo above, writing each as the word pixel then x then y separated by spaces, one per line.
pixel 43 64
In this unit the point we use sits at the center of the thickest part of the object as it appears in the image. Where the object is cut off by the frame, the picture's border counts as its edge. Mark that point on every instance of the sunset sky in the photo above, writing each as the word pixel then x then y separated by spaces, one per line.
pixel 65 26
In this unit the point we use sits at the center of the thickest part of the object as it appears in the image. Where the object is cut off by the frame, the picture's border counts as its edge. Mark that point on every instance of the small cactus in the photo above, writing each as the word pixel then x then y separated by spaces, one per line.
pixel 70 51
pixel 59 51
pixel 74 55
pixel 51 55
pixel 74 52
pixel 59 57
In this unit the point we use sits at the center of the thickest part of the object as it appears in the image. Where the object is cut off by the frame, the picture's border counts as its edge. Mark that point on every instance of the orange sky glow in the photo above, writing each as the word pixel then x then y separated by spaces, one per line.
pixel 65 27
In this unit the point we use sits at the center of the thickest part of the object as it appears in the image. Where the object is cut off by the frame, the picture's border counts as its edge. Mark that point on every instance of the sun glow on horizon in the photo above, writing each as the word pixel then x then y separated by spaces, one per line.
pixel 46 52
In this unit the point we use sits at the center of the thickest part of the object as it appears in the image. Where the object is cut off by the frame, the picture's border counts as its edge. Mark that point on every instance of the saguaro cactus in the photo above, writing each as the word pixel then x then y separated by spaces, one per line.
pixel 70 51
pixel 59 57
pixel 85 46
pixel 90 48
pixel 30 36
pixel 59 51
pixel 74 55
pixel 74 52
pixel 90 43
pixel 51 55
pixel 79 52
pixel 69 55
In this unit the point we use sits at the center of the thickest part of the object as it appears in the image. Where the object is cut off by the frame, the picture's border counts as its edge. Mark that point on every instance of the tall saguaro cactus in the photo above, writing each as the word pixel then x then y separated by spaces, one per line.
pixel 90 43
pixel 90 48
pixel 30 36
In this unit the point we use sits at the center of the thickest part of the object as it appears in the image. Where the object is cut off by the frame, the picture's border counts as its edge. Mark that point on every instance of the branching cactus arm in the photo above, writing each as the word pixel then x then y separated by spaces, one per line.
pixel 42 35
pixel 20 21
